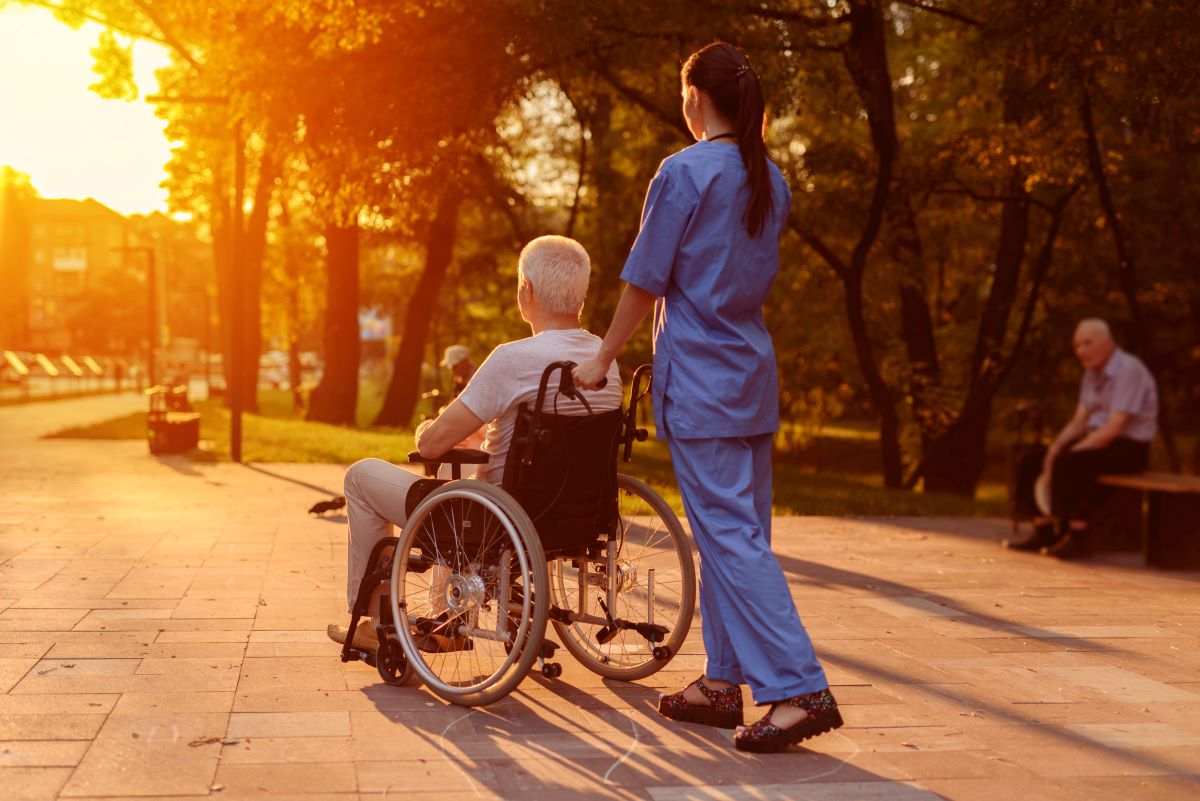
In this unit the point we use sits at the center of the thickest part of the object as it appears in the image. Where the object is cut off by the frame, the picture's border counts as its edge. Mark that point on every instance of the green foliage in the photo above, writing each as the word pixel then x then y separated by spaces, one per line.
pixel 114 65
pixel 552 116
pixel 276 435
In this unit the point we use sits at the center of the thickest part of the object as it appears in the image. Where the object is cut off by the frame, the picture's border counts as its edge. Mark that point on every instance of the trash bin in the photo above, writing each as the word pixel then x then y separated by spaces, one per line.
pixel 172 426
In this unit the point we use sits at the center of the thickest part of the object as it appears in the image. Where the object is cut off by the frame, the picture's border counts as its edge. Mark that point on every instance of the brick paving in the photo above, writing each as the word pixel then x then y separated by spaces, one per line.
pixel 162 636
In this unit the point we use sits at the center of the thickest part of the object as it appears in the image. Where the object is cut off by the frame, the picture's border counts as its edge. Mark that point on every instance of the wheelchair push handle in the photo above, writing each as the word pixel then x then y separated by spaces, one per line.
pixel 566 384
pixel 631 432
pixel 566 380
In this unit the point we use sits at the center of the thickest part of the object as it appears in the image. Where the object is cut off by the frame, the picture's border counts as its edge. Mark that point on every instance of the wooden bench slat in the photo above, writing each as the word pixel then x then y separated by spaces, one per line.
pixel 1155 482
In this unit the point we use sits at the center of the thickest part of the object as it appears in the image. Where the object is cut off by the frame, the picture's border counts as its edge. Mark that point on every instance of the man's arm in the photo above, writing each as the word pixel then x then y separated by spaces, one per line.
pixel 1074 428
pixel 1113 427
pixel 451 427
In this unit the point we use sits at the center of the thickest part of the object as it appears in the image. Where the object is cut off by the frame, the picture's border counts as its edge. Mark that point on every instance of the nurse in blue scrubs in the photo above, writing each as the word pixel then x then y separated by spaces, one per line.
pixel 705 258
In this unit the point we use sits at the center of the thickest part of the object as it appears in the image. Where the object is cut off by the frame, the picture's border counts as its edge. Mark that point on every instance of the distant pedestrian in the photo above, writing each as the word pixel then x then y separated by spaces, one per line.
pixel 458 359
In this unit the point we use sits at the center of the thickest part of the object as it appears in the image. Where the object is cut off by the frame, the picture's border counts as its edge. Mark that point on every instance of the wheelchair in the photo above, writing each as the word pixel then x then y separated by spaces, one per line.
pixel 480 571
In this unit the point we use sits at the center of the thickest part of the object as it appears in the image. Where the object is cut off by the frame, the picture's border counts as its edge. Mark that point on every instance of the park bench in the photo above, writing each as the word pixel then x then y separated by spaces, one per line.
pixel 1170 517
pixel 171 424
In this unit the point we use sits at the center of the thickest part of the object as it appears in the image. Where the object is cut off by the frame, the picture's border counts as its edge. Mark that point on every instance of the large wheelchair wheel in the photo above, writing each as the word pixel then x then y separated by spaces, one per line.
pixel 470 592
pixel 655 583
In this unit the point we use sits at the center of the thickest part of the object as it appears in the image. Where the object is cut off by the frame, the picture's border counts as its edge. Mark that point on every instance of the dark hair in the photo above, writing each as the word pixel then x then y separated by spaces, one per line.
pixel 725 75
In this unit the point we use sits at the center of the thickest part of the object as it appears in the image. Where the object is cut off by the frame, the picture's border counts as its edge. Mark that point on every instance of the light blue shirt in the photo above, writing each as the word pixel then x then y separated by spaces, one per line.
pixel 714 363
pixel 1124 384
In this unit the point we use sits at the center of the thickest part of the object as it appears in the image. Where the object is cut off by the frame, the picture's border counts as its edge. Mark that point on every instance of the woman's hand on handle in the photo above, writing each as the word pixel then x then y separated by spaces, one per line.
pixel 591 373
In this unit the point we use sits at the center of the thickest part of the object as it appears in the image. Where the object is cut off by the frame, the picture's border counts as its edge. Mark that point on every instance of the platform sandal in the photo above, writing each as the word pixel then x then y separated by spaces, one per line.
pixel 764 737
pixel 725 712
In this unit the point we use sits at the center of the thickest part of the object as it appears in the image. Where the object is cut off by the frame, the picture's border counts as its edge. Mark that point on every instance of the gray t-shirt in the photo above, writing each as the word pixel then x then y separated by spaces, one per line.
pixel 1124 384
pixel 510 376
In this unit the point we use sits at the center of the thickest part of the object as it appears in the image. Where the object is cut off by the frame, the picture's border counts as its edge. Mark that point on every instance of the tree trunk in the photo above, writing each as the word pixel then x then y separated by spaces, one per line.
pixel 1189 271
pixel 335 399
pixel 1126 272
pixel 957 457
pixel 865 55
pixel 405 386
pixel 255 242
pixel 881 395
pixel 223 268
pixel 954 460
pixel 916 319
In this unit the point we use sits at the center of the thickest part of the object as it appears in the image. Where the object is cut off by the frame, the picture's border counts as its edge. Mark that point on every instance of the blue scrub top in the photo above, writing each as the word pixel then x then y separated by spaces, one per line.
pixel 714 363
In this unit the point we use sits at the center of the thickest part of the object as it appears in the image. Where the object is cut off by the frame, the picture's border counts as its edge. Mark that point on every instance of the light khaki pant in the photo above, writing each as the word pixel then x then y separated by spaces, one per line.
pixel 375 492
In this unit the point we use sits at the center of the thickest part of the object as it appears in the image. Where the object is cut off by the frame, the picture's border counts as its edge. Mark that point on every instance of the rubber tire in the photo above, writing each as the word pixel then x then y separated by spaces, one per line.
pixel 389 655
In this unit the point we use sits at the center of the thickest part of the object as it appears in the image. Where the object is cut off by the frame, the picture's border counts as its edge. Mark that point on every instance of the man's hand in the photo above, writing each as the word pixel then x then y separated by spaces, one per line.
pixel 450 428
pixel 589 374
pixel 1103 436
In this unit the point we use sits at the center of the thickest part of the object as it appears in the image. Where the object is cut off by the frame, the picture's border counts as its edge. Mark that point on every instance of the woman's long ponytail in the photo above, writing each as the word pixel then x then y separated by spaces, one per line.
pixel 725 75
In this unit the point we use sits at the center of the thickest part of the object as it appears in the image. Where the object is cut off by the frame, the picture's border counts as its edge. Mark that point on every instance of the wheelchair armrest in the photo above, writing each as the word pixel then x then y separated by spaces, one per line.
pixel 452 456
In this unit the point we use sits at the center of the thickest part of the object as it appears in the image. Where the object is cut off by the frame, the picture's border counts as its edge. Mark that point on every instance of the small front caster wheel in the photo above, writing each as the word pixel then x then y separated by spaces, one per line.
pixel 393 665
pixel 552 670
pixel 662 653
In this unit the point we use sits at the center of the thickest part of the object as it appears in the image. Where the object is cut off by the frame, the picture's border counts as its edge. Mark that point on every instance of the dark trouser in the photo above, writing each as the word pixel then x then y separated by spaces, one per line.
pixel 1074 492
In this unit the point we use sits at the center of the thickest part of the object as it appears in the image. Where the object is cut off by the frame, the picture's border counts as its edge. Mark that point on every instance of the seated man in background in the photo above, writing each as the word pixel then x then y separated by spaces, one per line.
pixel 1111 431
pixel 552 282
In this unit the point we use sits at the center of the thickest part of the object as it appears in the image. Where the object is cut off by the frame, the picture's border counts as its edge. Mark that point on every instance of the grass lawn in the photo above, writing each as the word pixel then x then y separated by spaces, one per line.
pixel 275 434
pixel 835 475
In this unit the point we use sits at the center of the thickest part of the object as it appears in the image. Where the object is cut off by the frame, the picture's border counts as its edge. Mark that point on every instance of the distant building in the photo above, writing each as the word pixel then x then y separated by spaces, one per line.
pixel 73 246
pixel 73 276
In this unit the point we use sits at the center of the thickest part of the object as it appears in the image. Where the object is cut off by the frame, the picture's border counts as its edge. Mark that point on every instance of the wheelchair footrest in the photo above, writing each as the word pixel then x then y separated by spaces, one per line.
pixel 651 631
pixel 355 655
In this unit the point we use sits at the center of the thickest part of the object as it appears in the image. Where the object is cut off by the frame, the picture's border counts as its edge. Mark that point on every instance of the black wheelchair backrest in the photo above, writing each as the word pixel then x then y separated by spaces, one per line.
pixel 562 469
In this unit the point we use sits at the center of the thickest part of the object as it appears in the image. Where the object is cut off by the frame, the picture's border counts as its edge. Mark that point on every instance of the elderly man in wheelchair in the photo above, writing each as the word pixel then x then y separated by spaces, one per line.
pixel 545 533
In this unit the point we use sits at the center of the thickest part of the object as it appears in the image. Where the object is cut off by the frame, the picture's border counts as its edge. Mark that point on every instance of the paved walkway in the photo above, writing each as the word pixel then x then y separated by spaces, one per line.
pixel 162 635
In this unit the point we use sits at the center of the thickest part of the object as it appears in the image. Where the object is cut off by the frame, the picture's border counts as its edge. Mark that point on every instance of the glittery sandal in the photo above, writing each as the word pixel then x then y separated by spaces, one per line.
pixel 764 737
pixel 725 711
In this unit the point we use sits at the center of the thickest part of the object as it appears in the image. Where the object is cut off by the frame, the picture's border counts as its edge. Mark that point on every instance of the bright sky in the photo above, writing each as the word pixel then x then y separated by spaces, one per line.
pixel 71 142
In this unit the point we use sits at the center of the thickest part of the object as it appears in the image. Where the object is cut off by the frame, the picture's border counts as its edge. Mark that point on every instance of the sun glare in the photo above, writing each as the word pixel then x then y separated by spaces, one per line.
pixel 71 142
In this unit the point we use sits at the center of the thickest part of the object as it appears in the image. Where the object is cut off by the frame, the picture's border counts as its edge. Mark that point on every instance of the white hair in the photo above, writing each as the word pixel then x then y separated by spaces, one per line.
pixel 1095 325
pixel 559 270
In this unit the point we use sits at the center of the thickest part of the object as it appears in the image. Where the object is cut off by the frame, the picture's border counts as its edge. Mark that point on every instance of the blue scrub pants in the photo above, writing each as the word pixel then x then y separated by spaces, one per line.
pixel 752 632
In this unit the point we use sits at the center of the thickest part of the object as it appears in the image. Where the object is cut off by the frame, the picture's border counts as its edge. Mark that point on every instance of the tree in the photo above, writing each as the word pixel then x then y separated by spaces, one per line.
pixel 15 192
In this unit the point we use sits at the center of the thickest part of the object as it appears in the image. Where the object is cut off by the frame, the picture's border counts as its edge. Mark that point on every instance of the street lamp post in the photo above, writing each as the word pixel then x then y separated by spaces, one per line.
pixel 207 342
pixel 237 392
pixel 237 372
